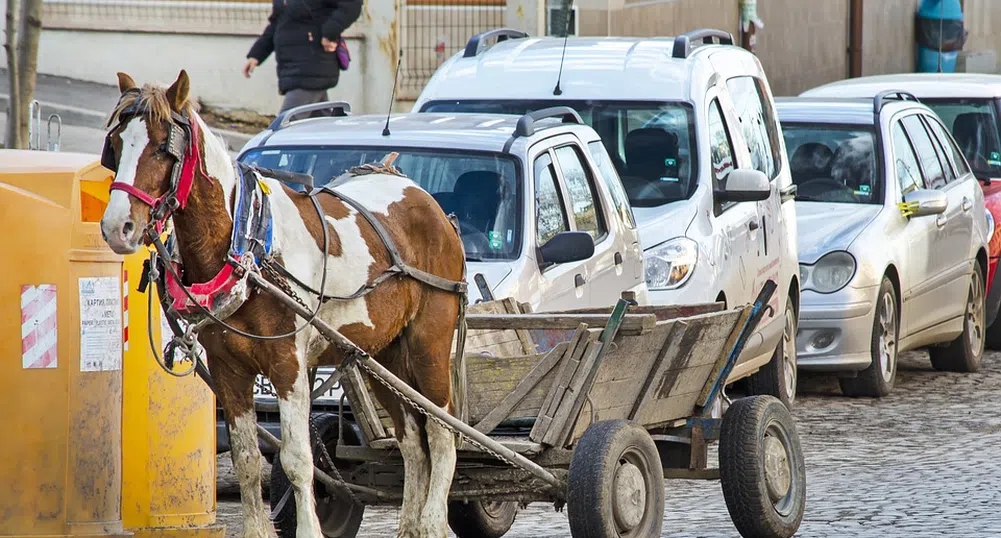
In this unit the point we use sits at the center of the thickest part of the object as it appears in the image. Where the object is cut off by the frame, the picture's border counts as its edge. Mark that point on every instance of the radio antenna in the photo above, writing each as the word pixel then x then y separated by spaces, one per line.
pixel 396 80
pixel 566 36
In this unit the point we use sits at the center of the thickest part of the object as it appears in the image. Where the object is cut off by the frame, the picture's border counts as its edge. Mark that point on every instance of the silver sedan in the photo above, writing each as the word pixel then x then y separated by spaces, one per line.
pixel 892 240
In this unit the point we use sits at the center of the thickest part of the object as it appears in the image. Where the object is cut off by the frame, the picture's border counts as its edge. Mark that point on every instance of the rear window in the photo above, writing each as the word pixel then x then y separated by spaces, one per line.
pixel 482 189
pixel 651 144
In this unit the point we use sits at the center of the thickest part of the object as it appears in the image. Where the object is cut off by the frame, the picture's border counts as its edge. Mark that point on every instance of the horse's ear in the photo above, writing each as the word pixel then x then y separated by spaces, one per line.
pixel 177 93
pixel 125 82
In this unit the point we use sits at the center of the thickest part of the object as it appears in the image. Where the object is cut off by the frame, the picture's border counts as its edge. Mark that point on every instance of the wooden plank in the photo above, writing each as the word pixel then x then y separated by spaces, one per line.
pixel 724 355
pixel 362 406
pixel 492 379
pixel 376 451
pixel 529 382
pixel 580 388
pixel 632 324
pixel 662 312
pixel 646 391
pixel 568 365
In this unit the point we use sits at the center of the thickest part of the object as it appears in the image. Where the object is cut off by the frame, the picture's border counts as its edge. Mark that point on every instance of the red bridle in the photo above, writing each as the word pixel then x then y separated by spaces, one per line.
pixel 176 197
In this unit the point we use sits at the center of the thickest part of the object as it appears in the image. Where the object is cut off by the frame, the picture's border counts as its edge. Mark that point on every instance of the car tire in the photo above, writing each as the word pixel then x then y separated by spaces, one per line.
pixel 779 377
pixel 339 516
pixel 481 519
pixel 877 379
pixel 964 353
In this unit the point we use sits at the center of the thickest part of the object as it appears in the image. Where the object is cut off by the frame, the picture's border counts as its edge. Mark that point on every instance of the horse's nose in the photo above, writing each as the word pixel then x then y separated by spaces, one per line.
pixel 118 234
pixel 128 229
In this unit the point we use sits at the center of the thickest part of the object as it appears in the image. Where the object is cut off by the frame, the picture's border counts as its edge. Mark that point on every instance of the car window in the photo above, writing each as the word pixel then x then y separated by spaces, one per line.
pixel 958 161
pixel 905 162
pixel 612 181
pixel 944 159
pixel 651 144
pixel 834 162
pixel 550 217
pixel 482 189
pixel 925 150
pixel 757 123
pixel 720 147
pixel 584 200
pixel 974 125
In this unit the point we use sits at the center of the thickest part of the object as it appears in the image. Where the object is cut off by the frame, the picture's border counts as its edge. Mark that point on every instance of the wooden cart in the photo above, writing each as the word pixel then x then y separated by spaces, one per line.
pixel 591 410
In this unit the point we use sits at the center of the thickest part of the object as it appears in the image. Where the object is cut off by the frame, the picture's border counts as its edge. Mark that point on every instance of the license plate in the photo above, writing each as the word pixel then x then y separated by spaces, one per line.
pixel 264 390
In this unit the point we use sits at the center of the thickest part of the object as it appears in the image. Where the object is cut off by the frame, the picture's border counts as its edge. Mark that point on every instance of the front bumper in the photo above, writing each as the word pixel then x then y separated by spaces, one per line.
pixel 835 337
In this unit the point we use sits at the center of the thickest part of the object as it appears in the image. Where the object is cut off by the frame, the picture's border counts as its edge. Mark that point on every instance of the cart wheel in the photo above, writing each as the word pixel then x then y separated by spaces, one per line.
pixel 616 487
pixel 481 519
pixel 761 468
pixel 339 516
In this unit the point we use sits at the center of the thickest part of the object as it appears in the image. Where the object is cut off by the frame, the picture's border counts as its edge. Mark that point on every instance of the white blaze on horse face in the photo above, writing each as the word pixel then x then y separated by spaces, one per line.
pixel 135 138
pixel 376 192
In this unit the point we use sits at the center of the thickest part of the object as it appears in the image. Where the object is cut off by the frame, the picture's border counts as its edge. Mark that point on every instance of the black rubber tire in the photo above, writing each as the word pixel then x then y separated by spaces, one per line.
pixel 285 520
pixel 594 469
pixel 770 379
pixel 993 341
pixel 870 382
pixel 476 519
pixel 960 355
pixel 742 468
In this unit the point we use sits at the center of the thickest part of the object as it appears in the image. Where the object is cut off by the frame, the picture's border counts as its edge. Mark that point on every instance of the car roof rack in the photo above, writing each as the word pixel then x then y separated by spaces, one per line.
pixel 526 124
pixel 897 95
pixel 683 43
pixel 283 120
pixel 476 43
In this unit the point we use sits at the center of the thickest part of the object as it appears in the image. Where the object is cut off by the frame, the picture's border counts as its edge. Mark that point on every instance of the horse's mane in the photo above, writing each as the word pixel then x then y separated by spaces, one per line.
pixel 153 99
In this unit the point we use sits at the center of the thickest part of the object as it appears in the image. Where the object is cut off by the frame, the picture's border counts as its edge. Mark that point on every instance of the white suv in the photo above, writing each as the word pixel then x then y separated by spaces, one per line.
pixel 693 133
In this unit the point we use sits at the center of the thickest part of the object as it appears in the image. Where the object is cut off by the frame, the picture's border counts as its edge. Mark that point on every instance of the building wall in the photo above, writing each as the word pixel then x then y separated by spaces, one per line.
pixel 803 44
pixel 888 36
pixel 983 20
pixel 646 18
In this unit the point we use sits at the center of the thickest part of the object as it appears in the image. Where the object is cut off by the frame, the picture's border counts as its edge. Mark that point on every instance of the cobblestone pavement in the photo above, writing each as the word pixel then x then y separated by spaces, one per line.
pixel 926 461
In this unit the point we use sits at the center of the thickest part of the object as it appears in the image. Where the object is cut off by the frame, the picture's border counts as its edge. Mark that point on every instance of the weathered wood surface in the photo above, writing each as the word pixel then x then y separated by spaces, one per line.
pixel 724 355
pixel 375 452
pixel 632 324
pixel 362 405
pixel 662 312
pixel 564 375
pixel 516 403
pixel 633 382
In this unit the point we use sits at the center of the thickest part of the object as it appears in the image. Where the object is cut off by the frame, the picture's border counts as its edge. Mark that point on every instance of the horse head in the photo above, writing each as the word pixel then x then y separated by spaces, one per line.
pixel 152 147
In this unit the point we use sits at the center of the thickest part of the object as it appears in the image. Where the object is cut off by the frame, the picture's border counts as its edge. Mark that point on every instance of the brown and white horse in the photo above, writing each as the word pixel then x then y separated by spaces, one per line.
pixel 407 326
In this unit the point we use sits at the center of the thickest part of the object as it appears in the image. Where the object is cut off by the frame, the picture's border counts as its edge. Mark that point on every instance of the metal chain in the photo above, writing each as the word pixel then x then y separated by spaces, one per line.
pixel 272 274
pixel 429 416
pixel 330 461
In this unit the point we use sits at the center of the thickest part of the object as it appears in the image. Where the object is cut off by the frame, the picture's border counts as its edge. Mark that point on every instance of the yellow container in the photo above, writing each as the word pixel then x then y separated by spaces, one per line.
pixel 60 345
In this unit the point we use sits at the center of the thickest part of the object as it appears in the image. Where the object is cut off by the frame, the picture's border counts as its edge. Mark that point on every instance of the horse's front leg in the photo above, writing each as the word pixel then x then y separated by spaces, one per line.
pixel 236 396
pixel 296 453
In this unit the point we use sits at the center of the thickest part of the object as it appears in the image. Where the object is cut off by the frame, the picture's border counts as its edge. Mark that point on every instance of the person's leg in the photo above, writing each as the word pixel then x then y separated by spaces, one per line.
pixel 294 98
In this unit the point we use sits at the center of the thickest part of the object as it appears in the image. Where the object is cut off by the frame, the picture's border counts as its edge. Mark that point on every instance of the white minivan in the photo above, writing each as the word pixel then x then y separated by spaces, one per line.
pixel 690 127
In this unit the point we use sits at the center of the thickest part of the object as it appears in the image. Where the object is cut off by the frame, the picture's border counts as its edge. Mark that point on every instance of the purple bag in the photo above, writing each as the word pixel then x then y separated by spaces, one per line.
pixel 343 54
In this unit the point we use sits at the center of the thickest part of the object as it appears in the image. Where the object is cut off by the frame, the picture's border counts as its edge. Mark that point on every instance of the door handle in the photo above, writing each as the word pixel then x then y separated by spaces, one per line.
pixel 941 221
pixel 967 204
pixel 618 258
pixel 578 280
pixel 753 225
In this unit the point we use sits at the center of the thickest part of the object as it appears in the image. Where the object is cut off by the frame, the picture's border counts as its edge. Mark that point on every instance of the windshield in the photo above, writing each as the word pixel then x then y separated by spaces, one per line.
pixel 974 125
pixel 831 163
pixel 650 143
pixel 481 189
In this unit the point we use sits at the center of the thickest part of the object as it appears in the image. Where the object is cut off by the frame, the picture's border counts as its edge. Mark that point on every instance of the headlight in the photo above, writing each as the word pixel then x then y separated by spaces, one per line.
pixel 670 264
pixel 990 225
pixel 831 272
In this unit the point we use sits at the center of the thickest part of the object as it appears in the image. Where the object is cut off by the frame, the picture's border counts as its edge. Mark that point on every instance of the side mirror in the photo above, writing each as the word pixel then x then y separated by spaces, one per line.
pixel 924 202
pixel 745 185
pixel 566 247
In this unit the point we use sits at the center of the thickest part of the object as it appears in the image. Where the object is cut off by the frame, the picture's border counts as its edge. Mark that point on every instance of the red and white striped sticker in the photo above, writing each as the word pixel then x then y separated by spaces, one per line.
pixel 125 309
pixel 38 326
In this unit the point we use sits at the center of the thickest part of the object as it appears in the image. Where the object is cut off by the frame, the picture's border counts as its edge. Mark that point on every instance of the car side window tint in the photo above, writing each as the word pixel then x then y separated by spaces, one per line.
pixel 611 178
pixel 550 217
pixel 943 159
pixel 584 201
pixel 905 162
pixel 720 148
pixel 925 150
pixel 958 160
pixel 757 123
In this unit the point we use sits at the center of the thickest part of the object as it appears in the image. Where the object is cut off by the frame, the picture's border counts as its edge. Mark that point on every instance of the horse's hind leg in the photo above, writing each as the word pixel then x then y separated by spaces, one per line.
pixel 236 396
pixel 296 453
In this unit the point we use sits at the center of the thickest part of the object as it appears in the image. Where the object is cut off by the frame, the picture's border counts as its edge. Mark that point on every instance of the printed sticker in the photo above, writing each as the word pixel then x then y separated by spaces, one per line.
pixel 38 326
pixel 100 324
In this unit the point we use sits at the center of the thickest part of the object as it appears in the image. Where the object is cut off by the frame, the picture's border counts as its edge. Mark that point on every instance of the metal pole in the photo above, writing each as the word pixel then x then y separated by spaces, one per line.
pixel 379 370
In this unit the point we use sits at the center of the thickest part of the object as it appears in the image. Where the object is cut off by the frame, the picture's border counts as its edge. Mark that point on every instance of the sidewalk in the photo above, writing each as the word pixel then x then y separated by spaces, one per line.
pixel 74 138
pixel 84 107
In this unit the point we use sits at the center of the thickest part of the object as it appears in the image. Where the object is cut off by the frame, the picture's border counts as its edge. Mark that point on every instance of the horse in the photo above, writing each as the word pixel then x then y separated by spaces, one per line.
pixel 168 163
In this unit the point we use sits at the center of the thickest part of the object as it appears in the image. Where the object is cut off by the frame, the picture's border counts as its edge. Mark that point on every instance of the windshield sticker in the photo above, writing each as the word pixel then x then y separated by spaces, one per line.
pixel 670 162
pixel 670 179
pixel 995 159
pixel 510 236
pixel 496 240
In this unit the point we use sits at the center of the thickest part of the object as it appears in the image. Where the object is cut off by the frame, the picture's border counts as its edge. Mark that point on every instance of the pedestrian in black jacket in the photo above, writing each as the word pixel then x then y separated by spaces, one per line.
pixel 304 34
